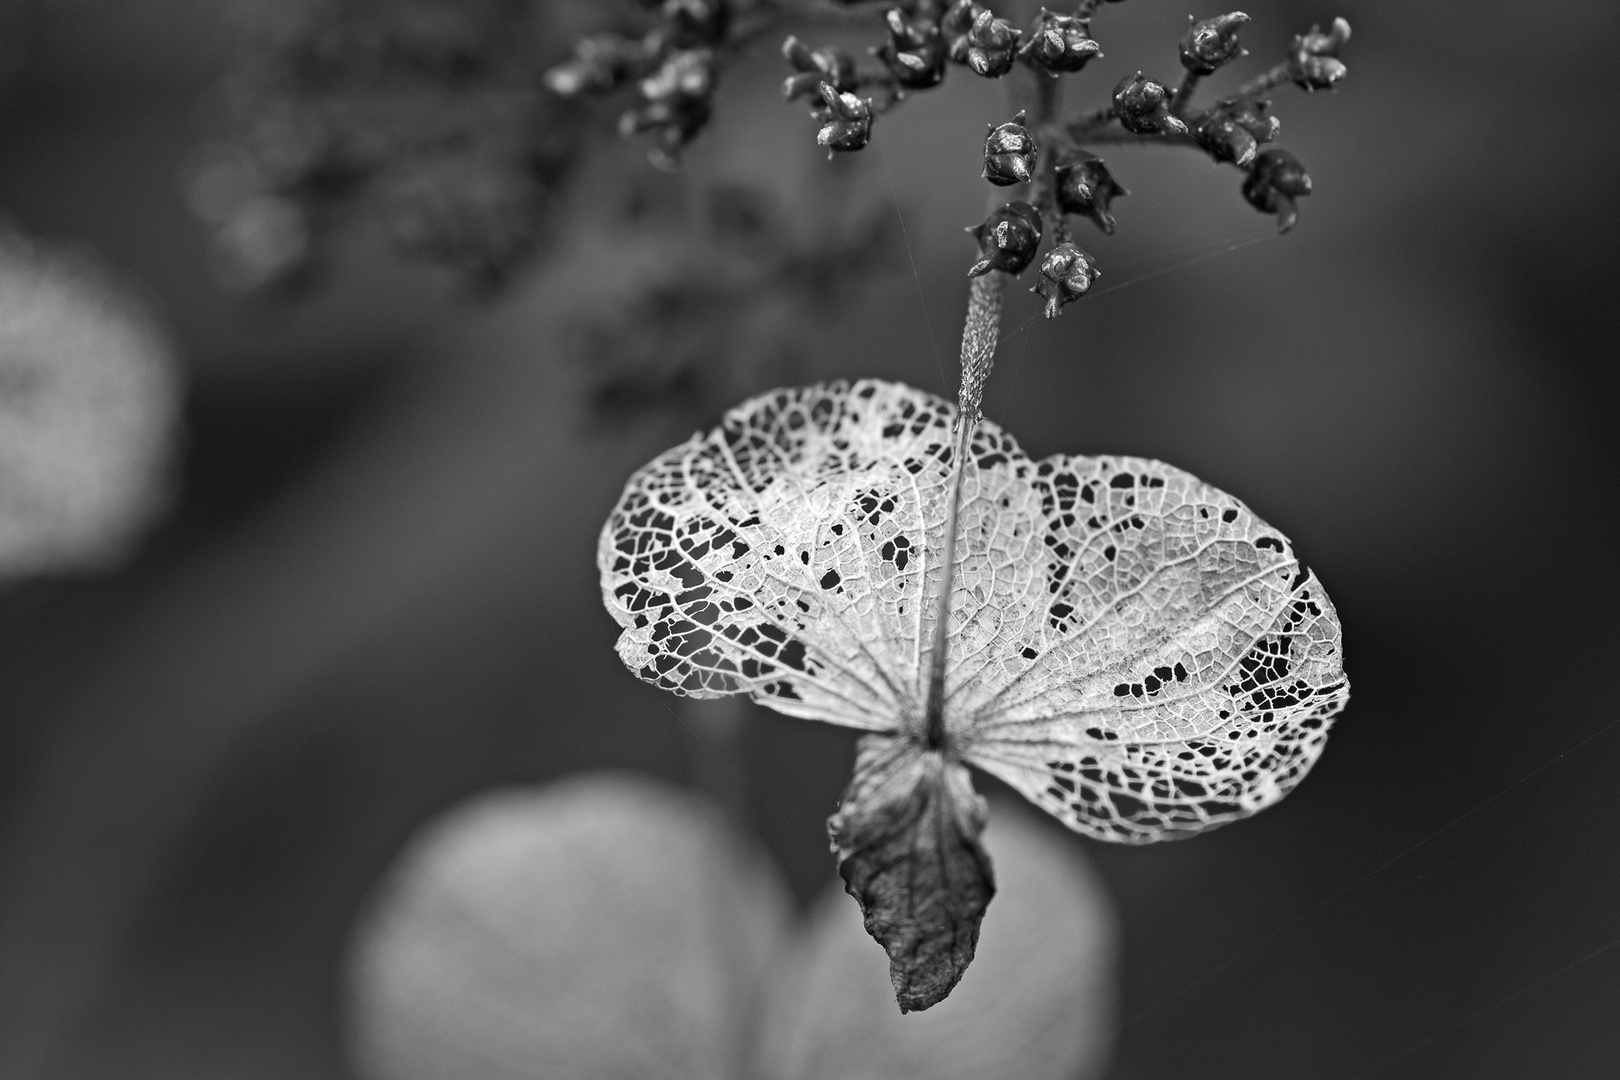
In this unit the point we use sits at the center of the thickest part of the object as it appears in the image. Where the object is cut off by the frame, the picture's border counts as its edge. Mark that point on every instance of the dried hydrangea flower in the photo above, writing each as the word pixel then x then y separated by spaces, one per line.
pixel 1234 129
pixel 1067 274
pixel 1271 185
pixel 1130 648
pixel 89 400
pixel 1210 44
pixel 1143 107
pixel 1086 187
pixel 1059 43
pixel 1009 153
pixel 1008 239
pixel 980 40
pixel 846 121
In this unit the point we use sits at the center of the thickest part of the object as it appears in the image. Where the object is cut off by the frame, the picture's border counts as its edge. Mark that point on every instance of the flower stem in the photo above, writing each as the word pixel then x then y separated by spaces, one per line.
pixel 979 336
pixel 1183 95
pixel 1258 85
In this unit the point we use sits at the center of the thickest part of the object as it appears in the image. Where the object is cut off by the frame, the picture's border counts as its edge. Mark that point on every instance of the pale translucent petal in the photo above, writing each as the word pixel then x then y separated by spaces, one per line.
pixel 595 928
pixel 1186 667
pixel 1037 1004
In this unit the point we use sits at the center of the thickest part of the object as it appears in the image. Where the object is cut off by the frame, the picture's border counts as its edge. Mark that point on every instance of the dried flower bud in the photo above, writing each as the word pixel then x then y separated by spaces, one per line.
pixel 1272 185
pixel 1059 43
pixel 828 65
pixel 916 51
pixel 696 22
pixel 983 42
pixel 1007 239
pixel 1209 44
pixel 600 64
pixel 679 101
pixel 1234 129
pixel 1085 186
pixel 1067 274
pixel 846 121
pixel 1009 153
pixel 1143 107
pixel 1313 59
pixel 957 21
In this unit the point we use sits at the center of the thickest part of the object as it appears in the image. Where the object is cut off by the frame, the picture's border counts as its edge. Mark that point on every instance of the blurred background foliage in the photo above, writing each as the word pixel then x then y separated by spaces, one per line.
pixel 374 592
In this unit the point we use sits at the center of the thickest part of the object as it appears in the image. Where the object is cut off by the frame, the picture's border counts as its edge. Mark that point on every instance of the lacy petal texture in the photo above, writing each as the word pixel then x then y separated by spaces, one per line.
pixel 1129 647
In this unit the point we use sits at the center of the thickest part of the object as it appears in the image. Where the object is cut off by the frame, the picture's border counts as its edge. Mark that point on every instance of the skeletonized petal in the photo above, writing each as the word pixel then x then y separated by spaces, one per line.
pixel 1186 665
pixel 792 553
pixel 1129 647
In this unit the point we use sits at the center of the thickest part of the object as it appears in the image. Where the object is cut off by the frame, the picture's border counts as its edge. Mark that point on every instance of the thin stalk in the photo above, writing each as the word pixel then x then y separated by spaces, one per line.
pixel 979 337
pixel 1183 95
pixel 934 713
pixel 1262 82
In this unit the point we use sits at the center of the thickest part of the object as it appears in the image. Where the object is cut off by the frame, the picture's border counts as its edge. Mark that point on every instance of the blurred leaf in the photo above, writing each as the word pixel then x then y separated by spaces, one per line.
pixel 600 927
pixel 1038 1004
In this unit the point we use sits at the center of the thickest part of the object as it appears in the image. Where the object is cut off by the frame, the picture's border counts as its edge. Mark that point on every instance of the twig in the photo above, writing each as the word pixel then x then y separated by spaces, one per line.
pixel 1258 85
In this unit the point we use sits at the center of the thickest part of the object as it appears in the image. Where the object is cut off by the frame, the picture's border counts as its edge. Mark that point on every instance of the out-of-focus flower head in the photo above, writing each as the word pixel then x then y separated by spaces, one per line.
pixel 89 400
pixel 1313 58
pixel 915 51
pixel 615 927
pixel 827 64
pixel 436 116
pixel 1273 183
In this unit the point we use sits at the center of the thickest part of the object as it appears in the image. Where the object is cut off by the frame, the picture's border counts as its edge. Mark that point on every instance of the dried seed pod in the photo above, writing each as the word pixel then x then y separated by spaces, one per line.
pixel 1209 44
pixel 846 121
pixel 1059 43
pixel 915 52
pixel 1313 58
pixel 1086 187
pixel 1273 183
pixel 1007 239
pixel 1143 107
pixel 1009 153
pixel 1067 274
pixel 1234 129
pixel 828 65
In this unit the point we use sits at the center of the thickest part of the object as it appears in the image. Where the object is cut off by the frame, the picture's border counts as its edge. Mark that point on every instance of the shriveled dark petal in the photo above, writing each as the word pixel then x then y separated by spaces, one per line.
pixel 907 841
pixel 1038 1003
